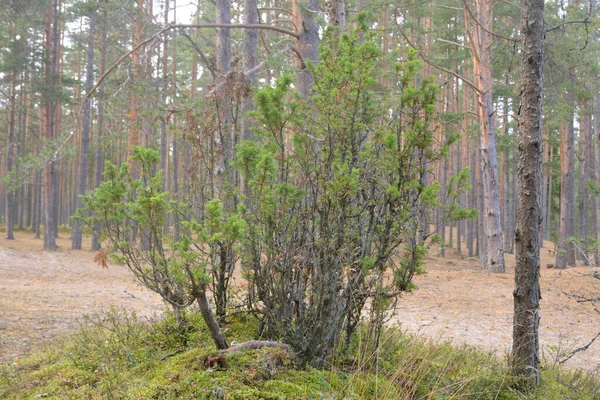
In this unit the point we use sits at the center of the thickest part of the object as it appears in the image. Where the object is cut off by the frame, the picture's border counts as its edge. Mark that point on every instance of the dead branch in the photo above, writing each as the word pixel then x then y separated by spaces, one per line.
pixel 455 74
pixel 484 28
pixel 586 21
pixel 578 350
pixel 184 26
pixel 255 345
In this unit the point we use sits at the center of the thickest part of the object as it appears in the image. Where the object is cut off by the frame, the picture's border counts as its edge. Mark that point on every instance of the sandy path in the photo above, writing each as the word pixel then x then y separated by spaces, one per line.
pixel 43 293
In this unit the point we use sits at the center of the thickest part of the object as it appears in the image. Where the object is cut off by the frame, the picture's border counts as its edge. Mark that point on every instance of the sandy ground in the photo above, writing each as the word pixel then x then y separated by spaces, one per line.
pixel 456 300
pixel 42 295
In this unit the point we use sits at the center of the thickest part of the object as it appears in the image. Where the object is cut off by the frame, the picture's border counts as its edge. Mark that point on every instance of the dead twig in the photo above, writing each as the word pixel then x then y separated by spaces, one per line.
pixel 578 350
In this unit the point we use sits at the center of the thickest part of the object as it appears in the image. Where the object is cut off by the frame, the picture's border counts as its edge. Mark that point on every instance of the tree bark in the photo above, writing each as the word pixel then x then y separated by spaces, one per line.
pixel 525 350
pixel 134 131
pixel 594 178
pixel 308 42
pixel 209 318
pixel 76 233
pixel 566 251
pixel 480 39
pixel 50 119
pixel 583 196
pixel 249 47
pixel 10 158
pixel 224 139
pixel 336 14
pixel 100 131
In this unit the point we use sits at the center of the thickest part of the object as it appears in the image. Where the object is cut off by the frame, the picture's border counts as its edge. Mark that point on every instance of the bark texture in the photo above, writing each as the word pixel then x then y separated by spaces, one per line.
pixel 76 232
pixel 99 142
pixel 249 47
pixel 480 39
pixel 308 42
pixel 525 350
pixel 336 13
pixel 10 158
pixel 566 251
pixel 50 124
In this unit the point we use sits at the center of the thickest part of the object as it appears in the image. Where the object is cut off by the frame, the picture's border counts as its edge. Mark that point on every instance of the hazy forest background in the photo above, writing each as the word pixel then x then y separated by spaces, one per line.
pixel 75 95
pixel 242 123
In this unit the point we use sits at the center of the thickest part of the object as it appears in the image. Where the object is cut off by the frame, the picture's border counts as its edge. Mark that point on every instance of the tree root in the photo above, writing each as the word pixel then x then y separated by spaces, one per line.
pixel 255 345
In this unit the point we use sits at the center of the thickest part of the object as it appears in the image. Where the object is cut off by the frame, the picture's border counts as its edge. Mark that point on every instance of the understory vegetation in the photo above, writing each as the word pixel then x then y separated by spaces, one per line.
pixel 327 212
pixel 117 355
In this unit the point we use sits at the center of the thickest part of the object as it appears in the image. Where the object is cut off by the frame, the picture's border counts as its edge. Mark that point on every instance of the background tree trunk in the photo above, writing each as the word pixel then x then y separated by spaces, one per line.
pixel 308 41
pixel 480 39
pixel 100 131
pixel 76 232
pixel 10 157
pixel 50 121
pixel 566 251
pixel 249 47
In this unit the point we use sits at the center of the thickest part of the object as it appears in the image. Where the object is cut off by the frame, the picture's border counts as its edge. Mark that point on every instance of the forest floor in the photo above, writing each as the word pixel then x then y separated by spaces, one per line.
pixel 44 294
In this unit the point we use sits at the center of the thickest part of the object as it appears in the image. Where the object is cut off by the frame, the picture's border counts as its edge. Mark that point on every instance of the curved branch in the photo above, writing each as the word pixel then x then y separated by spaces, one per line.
pixel 455 74
pixel 208 65
pixel 579 21
pixel 285 10
pixel 483 27
pixel 184 26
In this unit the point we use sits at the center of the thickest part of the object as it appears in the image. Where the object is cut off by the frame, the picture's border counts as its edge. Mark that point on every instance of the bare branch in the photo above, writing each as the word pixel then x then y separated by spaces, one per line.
pixel 586 21
pixel 184 26
pixel 483 27
pixel 452 43
pixel 455 74
pixel 210 67
pixel 578 350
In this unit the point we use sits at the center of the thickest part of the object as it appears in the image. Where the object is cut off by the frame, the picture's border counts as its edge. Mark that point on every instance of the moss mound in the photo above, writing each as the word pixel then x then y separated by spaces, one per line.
pixel 117 355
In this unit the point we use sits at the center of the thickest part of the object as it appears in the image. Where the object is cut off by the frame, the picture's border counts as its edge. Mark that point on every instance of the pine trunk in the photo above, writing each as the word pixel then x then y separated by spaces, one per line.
pixel 308 42
pixel 525 351
pixel 480 39
pixel 99 142
pixel 10 159
pixel 76 233
pixel 566 251
pixel 249 48
pixel 50 122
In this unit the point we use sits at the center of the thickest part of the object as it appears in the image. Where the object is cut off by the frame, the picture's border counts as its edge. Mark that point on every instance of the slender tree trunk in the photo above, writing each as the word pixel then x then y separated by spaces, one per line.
pixel 548 215
pixel 51 173
pixel 76 233
pixel 566 251
pixel 468 157
pixel 481 40
pixel 249 47
pixel 99 142
pixel 175 136
pixel 163 121
pixel 304 19
pixel 209 318
pixel 583 197
pixel 525 351
pixel 134 129
pixel 594 161
pixel 224 140
pixel 11 152
pixel 544 190
pixel 336 13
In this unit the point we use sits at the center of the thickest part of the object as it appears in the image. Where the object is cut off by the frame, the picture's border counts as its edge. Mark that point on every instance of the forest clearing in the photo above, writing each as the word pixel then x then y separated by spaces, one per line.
pixel 42 296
